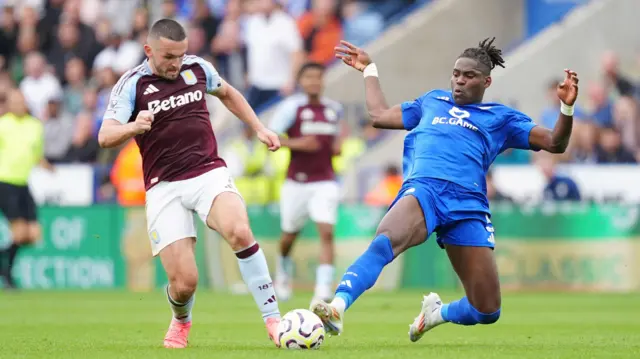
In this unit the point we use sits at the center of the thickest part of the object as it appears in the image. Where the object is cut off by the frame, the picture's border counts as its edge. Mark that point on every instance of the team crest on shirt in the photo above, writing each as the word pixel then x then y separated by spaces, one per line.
pixel 458 113
pixel 330 115
pixel 189 77
pixel 306 115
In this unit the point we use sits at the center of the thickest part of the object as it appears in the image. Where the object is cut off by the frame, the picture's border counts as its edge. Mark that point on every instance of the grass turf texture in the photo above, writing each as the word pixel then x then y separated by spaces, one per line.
pixel 132 325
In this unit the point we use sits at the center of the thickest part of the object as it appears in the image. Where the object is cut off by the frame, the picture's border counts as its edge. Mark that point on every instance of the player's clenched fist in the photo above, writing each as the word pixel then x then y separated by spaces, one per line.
pixel 269 138
pixel 143 121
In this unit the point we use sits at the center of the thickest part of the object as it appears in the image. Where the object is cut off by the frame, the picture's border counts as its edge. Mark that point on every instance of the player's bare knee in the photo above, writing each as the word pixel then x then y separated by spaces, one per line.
pixel 240 237
pixel 184 284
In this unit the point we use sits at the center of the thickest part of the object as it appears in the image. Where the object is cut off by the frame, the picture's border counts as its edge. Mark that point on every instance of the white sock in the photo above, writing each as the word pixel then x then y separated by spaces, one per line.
pixel 324 279
pixel 339 304
pixel 255 272
pixel 284 268
pixel 181 311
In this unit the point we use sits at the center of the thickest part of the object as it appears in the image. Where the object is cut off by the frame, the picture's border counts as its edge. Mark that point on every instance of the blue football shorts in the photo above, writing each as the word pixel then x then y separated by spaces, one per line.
pixel 457 215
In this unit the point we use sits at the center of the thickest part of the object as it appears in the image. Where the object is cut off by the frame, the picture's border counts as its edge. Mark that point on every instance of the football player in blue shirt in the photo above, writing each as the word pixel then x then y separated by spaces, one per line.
pixel 454 137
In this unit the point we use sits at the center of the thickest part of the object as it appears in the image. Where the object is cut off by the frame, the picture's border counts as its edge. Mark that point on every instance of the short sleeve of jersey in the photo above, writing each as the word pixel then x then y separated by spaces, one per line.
pixel 285 115
pixel 122 99
pixel 214 81
pixel 517 129
pixel 412 113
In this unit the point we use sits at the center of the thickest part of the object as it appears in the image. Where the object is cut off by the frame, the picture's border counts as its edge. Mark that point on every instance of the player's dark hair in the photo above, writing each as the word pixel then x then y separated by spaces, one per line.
pixel 310 66
pixel 169 29
pixel 486 54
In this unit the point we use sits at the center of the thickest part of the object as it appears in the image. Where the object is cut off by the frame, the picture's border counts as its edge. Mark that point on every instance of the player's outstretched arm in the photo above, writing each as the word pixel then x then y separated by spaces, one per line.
pixel 381 114
pixel 557 140
pixel 113 133
pixel 238 105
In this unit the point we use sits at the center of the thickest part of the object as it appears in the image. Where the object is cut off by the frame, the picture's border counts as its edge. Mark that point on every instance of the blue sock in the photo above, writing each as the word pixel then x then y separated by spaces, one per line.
pixel 463 313
pixel 364 272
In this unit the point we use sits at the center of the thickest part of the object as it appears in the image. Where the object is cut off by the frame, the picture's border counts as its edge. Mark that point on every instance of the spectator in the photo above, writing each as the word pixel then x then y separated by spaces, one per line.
pixel 197 41
pixel 360 26
pixel 274 51
pixel 227 47
pixel 38 86
pixel 120 54
pixel 140 22
pixel 84 147
pixel 321 31
pixel 8 35
pixel 550 114
pixel 610 149
pixel 75 77
pixel 494 194
pixel 387 190
pixel 27 42
pixel 613 78
pixel 557 187
pixel 49 22
pixel 58 131
pixel 86 43
pixel 67 46
pixel 210 23
pixel 602 106
pixel 582 144
pixel 126 176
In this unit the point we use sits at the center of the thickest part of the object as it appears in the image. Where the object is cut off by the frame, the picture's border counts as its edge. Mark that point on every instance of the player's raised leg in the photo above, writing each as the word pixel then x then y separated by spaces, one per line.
pixel 402 227
pixel 477 270
pixel 228 216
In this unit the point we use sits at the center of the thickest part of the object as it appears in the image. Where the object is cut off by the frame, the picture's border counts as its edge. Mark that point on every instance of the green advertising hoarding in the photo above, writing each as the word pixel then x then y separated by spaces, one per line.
pixel 581 247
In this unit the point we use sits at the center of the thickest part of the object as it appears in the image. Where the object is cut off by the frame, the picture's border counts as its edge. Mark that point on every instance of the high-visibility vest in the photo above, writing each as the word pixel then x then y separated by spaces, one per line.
pixel 351 148
pixel 254 159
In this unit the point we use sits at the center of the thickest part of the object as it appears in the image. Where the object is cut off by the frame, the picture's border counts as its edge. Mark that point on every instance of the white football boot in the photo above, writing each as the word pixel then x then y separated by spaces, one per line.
pixel 330 315
pixel 428 318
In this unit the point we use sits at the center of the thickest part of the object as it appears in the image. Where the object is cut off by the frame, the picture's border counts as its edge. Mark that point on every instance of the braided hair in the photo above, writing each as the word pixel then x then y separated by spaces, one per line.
pixel 486 54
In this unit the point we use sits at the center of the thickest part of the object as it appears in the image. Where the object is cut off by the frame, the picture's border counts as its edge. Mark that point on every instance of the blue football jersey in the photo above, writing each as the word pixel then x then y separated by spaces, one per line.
pixel 458 143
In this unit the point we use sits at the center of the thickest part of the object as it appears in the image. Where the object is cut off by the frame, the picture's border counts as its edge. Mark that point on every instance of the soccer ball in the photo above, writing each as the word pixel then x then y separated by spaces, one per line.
pixel 300 329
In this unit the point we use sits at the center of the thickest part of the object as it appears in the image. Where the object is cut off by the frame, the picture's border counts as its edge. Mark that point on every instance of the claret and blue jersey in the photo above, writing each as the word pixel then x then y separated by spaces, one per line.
pixel 448 152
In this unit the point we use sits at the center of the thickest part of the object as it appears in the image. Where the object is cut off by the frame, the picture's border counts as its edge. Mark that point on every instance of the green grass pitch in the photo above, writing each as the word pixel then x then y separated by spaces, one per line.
pixel 131 325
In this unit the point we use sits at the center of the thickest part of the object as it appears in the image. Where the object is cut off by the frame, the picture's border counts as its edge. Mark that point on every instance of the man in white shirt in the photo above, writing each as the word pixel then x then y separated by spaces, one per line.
pixel 274 51
pixel 38 86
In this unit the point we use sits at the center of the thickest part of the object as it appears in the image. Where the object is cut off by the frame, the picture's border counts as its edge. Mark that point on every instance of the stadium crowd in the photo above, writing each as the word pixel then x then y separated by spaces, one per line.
pixel 65 56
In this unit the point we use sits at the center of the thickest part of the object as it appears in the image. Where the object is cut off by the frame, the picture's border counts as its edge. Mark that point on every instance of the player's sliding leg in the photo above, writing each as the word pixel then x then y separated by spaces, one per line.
pixel 401 228
pixel 284 267
pixel 325 271
pixel 179 262
pixel 228 216
pixel 477 270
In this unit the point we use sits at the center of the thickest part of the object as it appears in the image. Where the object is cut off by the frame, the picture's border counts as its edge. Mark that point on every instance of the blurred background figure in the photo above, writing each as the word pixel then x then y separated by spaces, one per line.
pixel 274 52
pixel 21 149
pixel 558 187
pixel 493 193
pixel 387 189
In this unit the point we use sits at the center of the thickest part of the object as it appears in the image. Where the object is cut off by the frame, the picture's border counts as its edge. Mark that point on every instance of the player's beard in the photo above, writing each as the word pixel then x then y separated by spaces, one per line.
pixel 170 75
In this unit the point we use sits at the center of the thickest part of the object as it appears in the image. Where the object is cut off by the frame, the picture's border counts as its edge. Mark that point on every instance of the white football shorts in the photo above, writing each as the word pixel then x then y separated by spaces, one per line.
pixel 170 206
pixel 301 201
